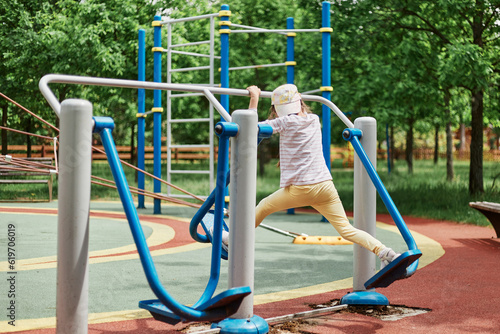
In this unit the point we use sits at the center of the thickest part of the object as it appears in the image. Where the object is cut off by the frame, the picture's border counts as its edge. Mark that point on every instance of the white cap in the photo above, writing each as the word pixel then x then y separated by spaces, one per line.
pixel 286 100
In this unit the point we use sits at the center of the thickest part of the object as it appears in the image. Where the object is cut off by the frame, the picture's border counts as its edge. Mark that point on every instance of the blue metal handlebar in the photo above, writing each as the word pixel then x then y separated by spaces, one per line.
pixel 352 135
pixel 104 126
pixel 265 131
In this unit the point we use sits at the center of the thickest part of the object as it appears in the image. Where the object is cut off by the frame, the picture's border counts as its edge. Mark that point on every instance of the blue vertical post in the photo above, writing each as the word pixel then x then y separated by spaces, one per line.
pixel 290 53
pixel 290 65
pixel 141 108
pixel 157 110
pixel 224 32
pixel 224 54
pixel 326 79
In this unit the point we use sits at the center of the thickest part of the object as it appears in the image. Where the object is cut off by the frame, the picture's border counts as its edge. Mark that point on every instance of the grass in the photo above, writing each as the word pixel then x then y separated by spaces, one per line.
pixel 425 193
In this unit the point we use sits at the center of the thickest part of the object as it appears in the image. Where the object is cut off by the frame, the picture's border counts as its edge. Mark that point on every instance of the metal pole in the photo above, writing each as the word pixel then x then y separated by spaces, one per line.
pixel 290 52
pixel 207 91
pixel 242 219
pixel 326 79
pixel 224 54
pixel 364 202
pixel 290 69
pixel 73 219
pixel 242 222
pixel 157 52
pixel 141 101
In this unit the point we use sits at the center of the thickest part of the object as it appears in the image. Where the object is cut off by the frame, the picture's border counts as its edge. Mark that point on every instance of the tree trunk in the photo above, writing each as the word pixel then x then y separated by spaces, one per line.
pixel 5 108
pixel 409 145
pixel 436 144
pixel 476 146
pixel 449 138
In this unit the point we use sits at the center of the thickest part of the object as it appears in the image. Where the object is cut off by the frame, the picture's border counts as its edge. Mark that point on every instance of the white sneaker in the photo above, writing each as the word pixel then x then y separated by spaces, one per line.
pixel 387 255
pixel 225 239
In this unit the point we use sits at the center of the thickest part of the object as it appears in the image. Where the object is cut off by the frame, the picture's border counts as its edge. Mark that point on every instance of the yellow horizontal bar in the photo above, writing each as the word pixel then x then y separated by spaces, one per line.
pixel 224 23
pixel 224 31
pixel 326 29
pixel 156 24
pixel 321 240
pixel 157 109
pixel 139 115
pixel 157 49
pixel 291 34
pixel 326 89
pixel 290 63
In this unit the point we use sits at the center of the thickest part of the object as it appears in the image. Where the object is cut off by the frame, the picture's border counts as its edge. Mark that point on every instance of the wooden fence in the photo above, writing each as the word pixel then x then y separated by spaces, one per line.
pixel 193 154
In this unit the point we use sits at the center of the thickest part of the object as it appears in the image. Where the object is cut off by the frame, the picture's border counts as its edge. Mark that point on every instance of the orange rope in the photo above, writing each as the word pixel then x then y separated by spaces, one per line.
pixel 26 133
pixel 154 177
pixel 31 113
pixel 101 151
pixel 148 194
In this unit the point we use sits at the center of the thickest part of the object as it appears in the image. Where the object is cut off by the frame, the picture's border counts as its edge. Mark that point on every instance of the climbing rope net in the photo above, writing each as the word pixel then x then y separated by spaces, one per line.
pixel 23 165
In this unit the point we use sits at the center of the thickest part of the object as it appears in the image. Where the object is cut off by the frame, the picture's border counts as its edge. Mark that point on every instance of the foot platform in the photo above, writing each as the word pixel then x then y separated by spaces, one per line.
pixel 208 223
pixel 222 306
pixel 394 271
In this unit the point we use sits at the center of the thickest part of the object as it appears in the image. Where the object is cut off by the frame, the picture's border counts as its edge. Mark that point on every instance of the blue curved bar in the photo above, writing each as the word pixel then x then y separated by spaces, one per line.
pixel 352 135
pixel 104 126
pixel 265 131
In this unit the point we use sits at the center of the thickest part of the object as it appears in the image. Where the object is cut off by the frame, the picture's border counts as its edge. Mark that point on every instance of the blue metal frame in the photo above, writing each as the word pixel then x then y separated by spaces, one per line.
pixel 141 104
pixel 224 60
pixel 157 115
pixel 326 81
pixel 352 135
pixel 207 308
pixel 290 52
pixel 265 131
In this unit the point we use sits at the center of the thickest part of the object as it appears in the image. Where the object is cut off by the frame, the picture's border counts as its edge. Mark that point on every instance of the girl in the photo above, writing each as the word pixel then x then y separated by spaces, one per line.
pixel 305 179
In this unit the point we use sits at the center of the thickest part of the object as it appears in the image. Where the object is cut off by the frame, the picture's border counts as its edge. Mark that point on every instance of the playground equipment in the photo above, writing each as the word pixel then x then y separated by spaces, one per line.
pixel 237 301
pixel 226 28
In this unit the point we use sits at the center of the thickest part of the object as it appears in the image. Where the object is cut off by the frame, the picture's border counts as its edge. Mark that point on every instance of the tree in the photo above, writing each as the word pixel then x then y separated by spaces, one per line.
pixel 469 32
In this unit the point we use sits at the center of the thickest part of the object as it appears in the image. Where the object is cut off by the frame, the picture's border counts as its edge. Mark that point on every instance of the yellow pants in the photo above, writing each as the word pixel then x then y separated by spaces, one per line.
pixel 324 198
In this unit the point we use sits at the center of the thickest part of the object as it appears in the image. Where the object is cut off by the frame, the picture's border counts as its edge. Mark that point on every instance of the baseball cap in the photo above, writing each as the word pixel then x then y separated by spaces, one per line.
pixel 286 100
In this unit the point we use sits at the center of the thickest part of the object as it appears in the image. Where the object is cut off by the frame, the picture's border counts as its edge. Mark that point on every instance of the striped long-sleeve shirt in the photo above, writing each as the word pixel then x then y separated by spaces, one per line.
pixel 301 150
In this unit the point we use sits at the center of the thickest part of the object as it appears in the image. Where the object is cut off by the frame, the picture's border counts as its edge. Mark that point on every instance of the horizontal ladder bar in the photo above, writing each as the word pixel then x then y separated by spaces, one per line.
pixel 190 120
pixel 192 18
pixel 189 44
pixel 189 171
pixel 256 66
pixel 187 69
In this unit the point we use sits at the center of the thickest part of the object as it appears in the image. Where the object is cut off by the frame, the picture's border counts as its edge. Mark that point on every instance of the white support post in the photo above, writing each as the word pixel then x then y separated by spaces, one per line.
pixel 364 202
pixel 242 207
pixel 73 217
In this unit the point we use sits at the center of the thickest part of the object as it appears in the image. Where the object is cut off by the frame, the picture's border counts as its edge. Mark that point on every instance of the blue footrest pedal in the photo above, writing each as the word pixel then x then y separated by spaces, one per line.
pixel 208 223
pixel 227 301
pixel 395 270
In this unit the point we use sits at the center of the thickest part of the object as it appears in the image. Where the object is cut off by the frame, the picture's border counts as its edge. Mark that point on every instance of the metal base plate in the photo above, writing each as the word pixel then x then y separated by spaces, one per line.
pixel 253 325
pixel 364 298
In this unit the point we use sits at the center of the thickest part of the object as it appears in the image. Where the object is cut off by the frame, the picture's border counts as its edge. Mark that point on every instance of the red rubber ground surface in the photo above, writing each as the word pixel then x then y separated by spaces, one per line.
pixel 461 288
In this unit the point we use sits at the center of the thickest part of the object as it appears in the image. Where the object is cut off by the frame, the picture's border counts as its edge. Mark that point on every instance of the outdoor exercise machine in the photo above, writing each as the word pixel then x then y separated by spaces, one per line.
pixel 77 125
pixel 226 28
